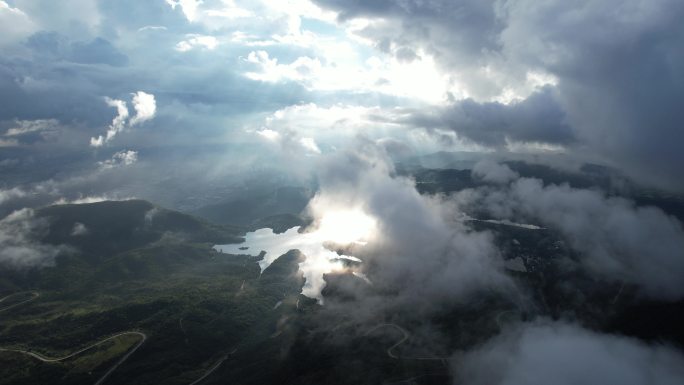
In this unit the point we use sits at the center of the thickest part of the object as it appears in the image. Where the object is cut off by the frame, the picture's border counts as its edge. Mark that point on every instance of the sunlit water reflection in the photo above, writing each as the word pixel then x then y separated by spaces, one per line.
pixel 318 259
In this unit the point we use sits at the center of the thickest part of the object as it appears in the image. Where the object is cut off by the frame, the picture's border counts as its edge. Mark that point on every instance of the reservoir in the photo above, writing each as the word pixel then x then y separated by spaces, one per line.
pixel 318 259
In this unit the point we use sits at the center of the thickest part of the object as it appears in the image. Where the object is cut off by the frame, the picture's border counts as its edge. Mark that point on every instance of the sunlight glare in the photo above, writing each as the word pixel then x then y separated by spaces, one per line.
pixel 346 226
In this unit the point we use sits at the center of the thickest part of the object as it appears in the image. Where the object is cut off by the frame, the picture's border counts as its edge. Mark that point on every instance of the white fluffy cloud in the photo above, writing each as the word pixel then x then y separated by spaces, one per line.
pixel 121 158
pixel 197 41
pixel 491 171
pixel 270 70
pixel 417 250
pixel 79 229
pixel 189 7
pixel 20 246
pixel 23 127
pixel 145 108
pixel 13 193
pixel 310 145
pixel 14 24
pixel 334 125
pixel 341 67
pixel 117 125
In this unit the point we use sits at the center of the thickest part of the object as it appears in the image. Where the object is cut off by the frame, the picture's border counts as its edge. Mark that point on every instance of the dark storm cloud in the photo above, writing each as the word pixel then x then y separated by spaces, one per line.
pixel 53 46
pixel 468 26
pixel 621 75
pixel 619 71
pixel 53 91
pixel 558 353
pixel 537 119
pixel 97 51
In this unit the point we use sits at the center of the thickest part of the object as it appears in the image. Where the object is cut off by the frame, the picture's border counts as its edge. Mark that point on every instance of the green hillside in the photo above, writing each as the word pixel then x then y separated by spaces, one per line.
pixel 137 267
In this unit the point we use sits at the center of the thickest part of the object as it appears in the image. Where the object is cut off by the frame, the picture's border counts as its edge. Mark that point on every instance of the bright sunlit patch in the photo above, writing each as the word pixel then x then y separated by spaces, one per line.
pixel 346 226
pixel 342 227
pixel 310 145
pixel 268 134
pixel 197 41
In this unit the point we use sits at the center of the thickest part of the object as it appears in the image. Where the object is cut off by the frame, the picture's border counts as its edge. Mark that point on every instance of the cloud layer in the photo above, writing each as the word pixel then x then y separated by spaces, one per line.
pixel 558 353
pixel 145 107
pixel 20 245
pixel 419 253
pixel 604 75
pixel 617 240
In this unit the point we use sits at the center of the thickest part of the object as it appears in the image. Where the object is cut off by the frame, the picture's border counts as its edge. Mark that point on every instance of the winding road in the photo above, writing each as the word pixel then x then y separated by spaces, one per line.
pixel 390 353
pixel 43 358
pixel 213 368
pixel 124 358
pixel 101 380
pixel 401 341
pixel 500 314
pixel 405 337
pixel 34 295
pixel 412 379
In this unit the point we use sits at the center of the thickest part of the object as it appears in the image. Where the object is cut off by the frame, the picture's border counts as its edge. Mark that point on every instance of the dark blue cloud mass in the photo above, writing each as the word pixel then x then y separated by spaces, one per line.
pixel 618 69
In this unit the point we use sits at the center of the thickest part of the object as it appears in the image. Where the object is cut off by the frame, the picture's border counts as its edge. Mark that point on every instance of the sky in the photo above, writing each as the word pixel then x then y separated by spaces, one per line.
pixel 183 102
pixel 106 85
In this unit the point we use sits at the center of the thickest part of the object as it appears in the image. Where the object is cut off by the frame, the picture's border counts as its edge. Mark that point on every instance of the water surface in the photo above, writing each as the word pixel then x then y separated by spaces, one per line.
pixel 318 260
